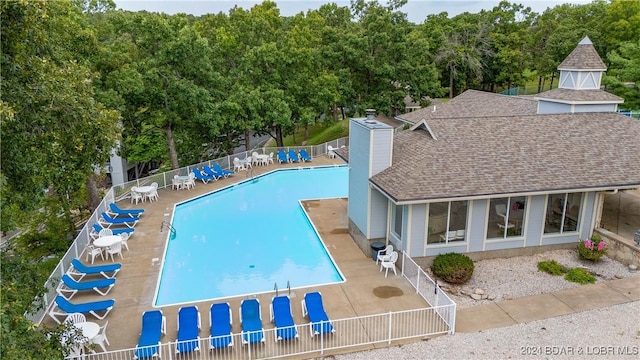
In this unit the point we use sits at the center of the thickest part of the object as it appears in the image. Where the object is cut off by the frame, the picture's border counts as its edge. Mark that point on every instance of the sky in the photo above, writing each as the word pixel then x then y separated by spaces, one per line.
pixel 416 10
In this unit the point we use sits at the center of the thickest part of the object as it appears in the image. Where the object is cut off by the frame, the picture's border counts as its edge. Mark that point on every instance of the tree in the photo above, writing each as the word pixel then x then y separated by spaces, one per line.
pixel 466 49
pixel 623 76
pixel 56 125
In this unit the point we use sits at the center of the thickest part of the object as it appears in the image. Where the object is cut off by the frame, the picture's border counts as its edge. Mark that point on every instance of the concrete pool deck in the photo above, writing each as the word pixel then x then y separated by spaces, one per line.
pixel 136 282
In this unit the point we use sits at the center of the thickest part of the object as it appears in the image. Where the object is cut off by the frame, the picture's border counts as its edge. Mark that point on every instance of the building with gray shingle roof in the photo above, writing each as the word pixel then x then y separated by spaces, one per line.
pixel 493 172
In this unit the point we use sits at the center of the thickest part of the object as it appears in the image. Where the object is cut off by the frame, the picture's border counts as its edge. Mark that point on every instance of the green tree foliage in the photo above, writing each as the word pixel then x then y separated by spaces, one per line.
pixel 623 77
pixel 53 130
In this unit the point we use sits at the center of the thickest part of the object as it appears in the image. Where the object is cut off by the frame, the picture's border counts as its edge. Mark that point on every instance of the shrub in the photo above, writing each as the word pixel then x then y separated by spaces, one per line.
pixel 580 276
pixel 592 249
pixel 453 268
pixel 552 267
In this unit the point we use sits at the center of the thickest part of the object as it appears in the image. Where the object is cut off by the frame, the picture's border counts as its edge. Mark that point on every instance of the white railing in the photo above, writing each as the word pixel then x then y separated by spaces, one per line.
pixel 430 291
pixel 41 305
pixel 349 333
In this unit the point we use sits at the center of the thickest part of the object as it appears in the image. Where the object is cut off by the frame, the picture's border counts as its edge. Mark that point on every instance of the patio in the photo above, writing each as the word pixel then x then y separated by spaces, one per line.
pixel 365 292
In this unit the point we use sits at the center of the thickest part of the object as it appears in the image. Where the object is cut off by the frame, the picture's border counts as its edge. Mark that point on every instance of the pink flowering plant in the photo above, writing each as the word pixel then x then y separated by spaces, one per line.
pixel 592 249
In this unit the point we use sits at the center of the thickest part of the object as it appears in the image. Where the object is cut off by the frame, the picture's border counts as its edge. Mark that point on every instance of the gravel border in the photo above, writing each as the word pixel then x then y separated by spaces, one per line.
pixel 509 278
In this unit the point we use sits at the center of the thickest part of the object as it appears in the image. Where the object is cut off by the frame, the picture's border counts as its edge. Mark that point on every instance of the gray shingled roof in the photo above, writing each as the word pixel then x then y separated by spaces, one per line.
pixel 479 156
pixel 472 103
pixel 571 95
pixel 583 57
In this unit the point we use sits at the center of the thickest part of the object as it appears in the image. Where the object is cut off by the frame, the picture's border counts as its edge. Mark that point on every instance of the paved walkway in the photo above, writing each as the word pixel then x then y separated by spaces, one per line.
pixel 543 306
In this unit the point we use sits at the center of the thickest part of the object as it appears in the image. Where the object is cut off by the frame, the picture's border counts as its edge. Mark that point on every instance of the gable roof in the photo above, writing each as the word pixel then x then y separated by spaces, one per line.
pixel 583 57
pixel 500 155
pixel 474 103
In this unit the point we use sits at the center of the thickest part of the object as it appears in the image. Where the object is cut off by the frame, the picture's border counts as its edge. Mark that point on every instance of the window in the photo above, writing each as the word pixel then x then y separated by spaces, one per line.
pixel 506 217
pixel 447 222
pixel 397 221
pixel 563 213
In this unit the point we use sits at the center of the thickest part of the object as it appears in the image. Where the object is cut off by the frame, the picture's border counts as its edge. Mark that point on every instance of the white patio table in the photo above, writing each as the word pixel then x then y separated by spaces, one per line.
pixel 144 190
pixel 89 329
pixel 106 241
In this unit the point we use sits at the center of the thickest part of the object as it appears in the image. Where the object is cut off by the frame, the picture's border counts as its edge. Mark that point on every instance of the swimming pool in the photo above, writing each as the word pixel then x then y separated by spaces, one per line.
pixel 246 238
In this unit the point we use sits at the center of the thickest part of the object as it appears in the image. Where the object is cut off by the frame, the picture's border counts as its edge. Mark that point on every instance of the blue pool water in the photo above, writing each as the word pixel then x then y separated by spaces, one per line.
pixel 246 238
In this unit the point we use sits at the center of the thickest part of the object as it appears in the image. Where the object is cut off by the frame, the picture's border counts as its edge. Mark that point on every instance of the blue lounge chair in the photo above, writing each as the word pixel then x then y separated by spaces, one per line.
pixel 97 228
pixel 313 308
pixel 293 157
pixel 205 178
pixel 153 326
pixel 222 171
pixel 92 308
pixel 81 270
pixel 114 211
pixel 304 155
pixel 71 286
pixel 221 321
pixel 251 320
pixel 209 171
pixel 282 156
pixel 107 221
pixel 282 318
pixel 188 329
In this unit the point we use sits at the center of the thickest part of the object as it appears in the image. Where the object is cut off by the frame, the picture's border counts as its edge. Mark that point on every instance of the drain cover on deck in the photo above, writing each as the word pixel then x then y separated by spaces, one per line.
pixel 385 292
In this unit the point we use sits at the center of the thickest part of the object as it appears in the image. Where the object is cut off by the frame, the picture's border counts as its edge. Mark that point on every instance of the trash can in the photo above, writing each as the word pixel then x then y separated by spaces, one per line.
pixel 375 247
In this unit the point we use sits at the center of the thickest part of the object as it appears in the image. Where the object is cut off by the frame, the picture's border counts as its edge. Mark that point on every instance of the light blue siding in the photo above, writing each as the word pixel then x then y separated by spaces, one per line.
pixel 359 176
pixel 432 251
pixel 417 229
pixel 477 230
pixel 504 244
pixel 381 154
pixel 589 208
pixel 594 108
pixel 379 216
pixel 535 220
pixel 547 107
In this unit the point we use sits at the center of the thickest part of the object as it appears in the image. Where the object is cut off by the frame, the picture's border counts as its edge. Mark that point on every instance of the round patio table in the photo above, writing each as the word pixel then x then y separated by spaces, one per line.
pixel 89 329
pixel 107 241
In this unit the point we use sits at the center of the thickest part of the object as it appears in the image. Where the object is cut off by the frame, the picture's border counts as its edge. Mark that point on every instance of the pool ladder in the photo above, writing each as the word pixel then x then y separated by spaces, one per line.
pixel 167 225
pixel 275 287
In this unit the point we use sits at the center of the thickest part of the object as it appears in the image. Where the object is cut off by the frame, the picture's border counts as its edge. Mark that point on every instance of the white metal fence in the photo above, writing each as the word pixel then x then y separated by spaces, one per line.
pixel 349 333
pixel 430 291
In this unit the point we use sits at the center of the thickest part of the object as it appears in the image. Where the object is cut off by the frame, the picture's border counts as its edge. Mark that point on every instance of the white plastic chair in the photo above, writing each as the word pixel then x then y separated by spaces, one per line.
pixel 270 160
pixel 460 234
pixel 75 318
pixel 125 237
pixel 135 195
pixel 501 210
pixel 115 249
pixel 248 162
pixel 384 255
pixel 390 264
pixel 153 194
pixel 105 232
pixel 450 234
pixel 237 166
pixel 255 159
pixel 176 183
pixel 101 338
pixel 93 252
pixel 330 151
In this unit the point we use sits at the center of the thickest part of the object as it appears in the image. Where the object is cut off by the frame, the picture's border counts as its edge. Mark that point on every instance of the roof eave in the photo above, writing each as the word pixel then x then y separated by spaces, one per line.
pixel 580 102
pixel 494 195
